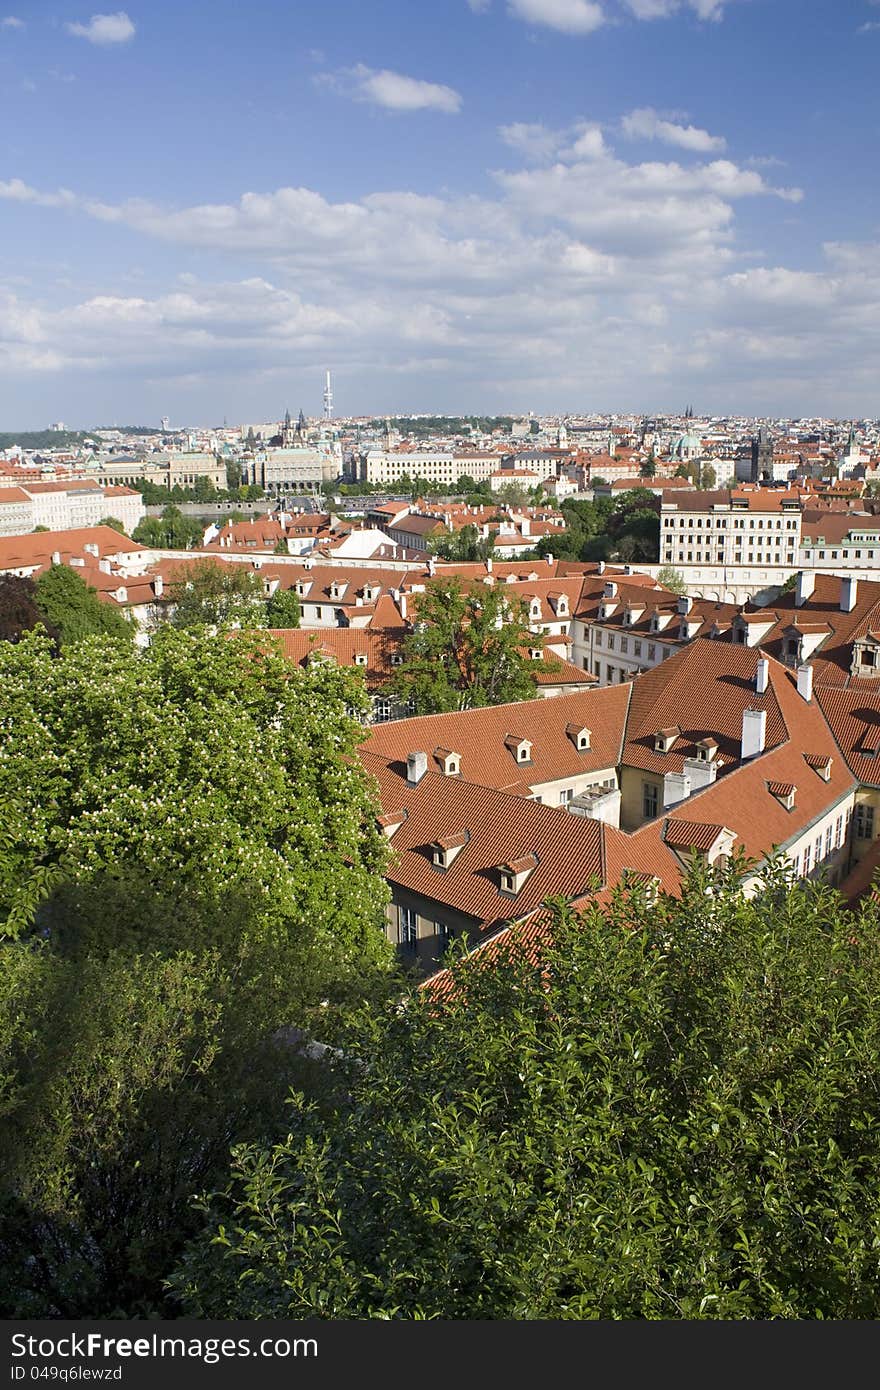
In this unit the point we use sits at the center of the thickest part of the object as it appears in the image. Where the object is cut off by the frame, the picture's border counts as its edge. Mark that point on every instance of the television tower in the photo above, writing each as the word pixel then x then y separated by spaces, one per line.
pixel 328 398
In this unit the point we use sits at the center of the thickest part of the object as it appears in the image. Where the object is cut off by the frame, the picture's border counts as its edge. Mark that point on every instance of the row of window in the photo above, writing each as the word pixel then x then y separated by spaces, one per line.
pixel 739 558
pixel 825 845
pixel 738 525
pixel 624 645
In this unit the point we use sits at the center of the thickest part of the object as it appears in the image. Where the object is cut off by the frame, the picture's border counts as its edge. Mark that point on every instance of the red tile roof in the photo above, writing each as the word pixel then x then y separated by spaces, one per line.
pixel 480 737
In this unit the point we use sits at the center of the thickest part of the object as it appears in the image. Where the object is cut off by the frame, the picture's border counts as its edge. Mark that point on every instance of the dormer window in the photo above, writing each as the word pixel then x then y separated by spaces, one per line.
pixel 449 761
pixel 397 658
pixel 521 748
pixel 337 590
pixel 707 750
pixel 446 849
pixel 360 658
pixel 302 588
pixel 665 738
pixel 371 593
pixel 535 608
pixel 820 763
pixel 784 793
pixel 579 735
pixel 513 875
pixel 535 653
pixel 391 823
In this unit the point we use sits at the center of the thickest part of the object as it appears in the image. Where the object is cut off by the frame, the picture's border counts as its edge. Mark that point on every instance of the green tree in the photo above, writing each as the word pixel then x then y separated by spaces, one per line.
pixel 672 1114
pixel 19 612
pixel 73 609
pixel 114 523
pixel 189 862
pixel 171 531
pixel 464 545
pixel 205 490
pixel 672 579
pixel 233 469
pixel 283 609
pixel 465 650
pixel 210 592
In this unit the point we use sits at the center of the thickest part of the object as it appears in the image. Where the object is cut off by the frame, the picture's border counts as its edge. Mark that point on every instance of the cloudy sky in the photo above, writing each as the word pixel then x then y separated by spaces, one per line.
pixel 456 205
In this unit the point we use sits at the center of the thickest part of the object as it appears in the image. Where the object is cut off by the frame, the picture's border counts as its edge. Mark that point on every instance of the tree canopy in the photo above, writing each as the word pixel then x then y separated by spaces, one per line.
pixel 465 650
pixel 73 609
pixel 170 531
pixel 211 593
pixel 283 609
pixel 464 545
pixel 624 527
pixel 19 610
pixel 675 1116
pixel 189 863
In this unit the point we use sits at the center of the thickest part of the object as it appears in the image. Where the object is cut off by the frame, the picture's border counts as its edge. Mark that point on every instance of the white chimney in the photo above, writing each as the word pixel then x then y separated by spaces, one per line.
pixel 401 603
pixel 806 583
pixel 762 676
pixel 158 585
pixel 489 565
pixel 849 589
pixel 56 557
pixel 805 682
pixel 700 773
pixel 754 732
pixel 685 603
pixel 549 559
pixel 416 767
pixel 601 567
pixel 676 788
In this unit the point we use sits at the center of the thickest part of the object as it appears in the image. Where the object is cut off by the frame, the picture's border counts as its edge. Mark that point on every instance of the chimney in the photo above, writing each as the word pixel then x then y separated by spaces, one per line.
pixel 549 559
pixel 685 603
pixel 401 603
pixel 56 557
pixel 158 585
pixel 849 589
pixel 806 583
pixel 416 767
pixel 676 788
pixel 754 732
pixel 489 565
pixel 805 682
pixel 700 773
pixel 601 569
pixel 762 676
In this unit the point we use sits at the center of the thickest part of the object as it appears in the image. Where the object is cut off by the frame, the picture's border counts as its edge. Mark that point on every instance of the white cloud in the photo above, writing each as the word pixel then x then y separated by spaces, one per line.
pixel 104 29
pixel 16 191
pixel 568 16
pixel 664 9
pixel 582 278
pixel 535 142
pixel 646 124
pixel 11 22
pixel 392 90
pixel 868 28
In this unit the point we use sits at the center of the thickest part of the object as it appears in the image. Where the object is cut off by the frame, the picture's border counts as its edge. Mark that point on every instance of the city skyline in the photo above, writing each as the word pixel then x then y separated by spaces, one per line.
pixel 484 207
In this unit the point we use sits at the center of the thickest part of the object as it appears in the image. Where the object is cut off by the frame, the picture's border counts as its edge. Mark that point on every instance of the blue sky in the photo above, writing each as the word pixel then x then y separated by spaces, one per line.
pixel 456 205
